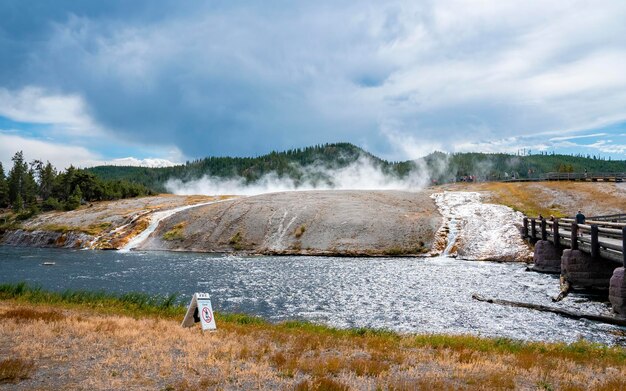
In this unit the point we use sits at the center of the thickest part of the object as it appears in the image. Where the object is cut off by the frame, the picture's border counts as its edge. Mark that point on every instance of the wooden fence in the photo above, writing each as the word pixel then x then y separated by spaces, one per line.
pixel 600 238
pixel 574 176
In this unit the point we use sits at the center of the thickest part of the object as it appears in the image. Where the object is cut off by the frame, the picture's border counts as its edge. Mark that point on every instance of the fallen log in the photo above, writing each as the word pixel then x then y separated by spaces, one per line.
pixel 566 313
pixel 565 288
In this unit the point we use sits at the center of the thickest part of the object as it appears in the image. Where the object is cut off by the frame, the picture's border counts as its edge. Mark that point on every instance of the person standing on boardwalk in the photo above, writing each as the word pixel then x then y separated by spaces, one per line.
pixel 580 219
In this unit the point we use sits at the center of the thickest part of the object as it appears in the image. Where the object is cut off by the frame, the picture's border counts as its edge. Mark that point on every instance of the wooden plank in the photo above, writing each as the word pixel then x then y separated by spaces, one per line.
pixel 574 236
pixel 595 246
pixel 624 247
pixel 557 237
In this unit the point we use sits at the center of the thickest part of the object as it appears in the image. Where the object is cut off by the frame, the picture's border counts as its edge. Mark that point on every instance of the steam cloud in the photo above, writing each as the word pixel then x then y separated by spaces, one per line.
pixel 363 174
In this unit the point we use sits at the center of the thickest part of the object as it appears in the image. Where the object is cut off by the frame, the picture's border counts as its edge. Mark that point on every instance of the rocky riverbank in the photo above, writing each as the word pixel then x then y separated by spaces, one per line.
pixel 391 223
pixel 464 220
pixel 101 225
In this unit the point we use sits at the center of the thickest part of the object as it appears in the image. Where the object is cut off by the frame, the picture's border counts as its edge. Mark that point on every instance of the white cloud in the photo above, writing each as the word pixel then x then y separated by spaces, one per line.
pixel 67 113
pixel 148 162
pixel 607 146
pixel 512 145
pixel 439 74
pixel 564 138
pixel 63 155
pixel 60 155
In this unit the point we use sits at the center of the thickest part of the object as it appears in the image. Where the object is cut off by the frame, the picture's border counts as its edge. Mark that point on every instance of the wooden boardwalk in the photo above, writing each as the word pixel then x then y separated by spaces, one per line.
pixel 575 176
pixel 601 236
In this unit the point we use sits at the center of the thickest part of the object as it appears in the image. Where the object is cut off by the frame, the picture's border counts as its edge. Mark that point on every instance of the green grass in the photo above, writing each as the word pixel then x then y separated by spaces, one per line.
pixel 169 306
pixel 134 304
pixel 579 351
pixel 176 233
pixel 397 251
pixel 236 241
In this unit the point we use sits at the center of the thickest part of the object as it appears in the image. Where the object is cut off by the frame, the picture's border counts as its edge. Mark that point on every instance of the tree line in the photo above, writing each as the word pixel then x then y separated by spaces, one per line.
pixel 309 164
pixel 300 164
pixel 33 186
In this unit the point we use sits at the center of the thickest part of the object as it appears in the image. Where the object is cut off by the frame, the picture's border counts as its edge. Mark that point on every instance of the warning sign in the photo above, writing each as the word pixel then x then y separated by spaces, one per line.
pixel 207 317
pixel 200 310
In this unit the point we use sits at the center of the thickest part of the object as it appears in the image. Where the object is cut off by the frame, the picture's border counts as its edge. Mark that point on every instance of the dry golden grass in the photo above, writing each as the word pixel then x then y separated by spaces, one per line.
pixel 23 314
pixel 74 347
pixel 552 198
pixel 13 370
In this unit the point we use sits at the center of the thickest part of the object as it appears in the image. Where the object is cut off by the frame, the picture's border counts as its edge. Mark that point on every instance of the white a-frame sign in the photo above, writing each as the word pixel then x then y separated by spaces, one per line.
pixel 200 310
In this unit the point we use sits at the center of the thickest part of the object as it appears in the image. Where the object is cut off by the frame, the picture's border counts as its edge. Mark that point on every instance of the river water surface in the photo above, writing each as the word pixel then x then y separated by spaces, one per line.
pixel 431 295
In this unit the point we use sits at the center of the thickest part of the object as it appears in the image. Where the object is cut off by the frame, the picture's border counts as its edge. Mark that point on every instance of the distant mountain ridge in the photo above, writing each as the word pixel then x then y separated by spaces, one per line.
pixel 312 164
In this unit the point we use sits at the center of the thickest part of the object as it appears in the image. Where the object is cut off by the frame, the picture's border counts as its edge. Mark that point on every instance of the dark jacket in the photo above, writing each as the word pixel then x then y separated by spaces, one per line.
pixel 580 218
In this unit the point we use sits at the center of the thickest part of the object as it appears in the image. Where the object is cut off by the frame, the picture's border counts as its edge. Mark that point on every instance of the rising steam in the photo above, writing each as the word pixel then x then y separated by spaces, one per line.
pixel 363 174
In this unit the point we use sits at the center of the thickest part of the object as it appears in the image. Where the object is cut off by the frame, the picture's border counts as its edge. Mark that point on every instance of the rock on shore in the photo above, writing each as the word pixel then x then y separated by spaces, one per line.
pixel 307 222
pixel 101 225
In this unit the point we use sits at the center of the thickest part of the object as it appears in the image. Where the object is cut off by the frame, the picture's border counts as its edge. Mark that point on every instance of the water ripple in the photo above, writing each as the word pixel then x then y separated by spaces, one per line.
pixel 404 294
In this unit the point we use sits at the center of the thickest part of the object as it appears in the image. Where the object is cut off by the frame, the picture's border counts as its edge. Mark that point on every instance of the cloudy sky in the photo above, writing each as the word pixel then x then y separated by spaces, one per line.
pixel 87 82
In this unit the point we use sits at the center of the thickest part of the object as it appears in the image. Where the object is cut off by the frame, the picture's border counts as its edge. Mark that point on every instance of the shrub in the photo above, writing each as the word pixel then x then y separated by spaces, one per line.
pixel 300 231
pixel 176 233
pixel 52 204
pixel 236 241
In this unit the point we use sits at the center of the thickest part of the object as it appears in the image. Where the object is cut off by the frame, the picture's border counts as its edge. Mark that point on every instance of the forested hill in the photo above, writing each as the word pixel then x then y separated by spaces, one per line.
pixel 313 164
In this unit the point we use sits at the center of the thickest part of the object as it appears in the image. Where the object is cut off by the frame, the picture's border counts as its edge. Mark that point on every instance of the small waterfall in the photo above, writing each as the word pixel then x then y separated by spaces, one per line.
pixel 155 219
pixel 452 233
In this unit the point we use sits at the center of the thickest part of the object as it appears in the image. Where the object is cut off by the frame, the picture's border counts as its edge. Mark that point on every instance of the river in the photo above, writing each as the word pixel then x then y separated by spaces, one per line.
pixel 430 295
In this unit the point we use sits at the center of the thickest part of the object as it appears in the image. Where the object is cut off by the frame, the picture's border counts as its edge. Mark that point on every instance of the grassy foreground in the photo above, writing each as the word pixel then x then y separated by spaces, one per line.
pixel 87 340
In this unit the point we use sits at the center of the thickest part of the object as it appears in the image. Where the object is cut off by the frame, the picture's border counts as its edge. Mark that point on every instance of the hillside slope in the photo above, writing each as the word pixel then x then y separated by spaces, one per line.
pixel 311 222
pixel 312 166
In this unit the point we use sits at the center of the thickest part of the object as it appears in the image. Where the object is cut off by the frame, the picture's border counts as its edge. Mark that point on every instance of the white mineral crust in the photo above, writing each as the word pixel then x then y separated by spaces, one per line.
pixel 484 231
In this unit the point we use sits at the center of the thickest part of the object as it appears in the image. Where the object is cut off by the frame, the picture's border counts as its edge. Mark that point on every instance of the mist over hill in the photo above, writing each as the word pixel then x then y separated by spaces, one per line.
pixel 343 166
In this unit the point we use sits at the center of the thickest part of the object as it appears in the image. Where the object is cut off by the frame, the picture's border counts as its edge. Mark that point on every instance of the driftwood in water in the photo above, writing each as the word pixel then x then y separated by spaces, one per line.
pixel 566 313
pixel 565 288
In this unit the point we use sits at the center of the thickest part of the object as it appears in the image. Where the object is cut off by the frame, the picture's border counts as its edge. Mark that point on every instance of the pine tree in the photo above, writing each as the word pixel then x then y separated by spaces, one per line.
pixel 29 189
pixel 73 202
pixel 16 177
pixel 4 189
pixel 46 175
pixel 18 204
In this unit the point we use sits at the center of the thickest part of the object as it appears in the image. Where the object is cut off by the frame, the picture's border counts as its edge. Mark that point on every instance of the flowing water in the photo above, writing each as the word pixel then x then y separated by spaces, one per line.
pixel 430 295
pixel 452 233
pixel 155 219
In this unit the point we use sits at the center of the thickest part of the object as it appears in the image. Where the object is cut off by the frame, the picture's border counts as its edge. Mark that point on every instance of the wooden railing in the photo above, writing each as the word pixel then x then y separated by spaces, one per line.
pixel 618 218
pixel 596 237
pixel 574 176
pixel 582 176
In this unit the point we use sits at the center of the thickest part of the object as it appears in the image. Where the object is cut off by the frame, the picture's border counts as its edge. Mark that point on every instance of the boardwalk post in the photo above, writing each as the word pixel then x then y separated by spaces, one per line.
pixel 555 232
pixel 574 237
pixel 544 232
pixel 525 235
pixel 595 244
pixel 533 228
pixel 624 246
